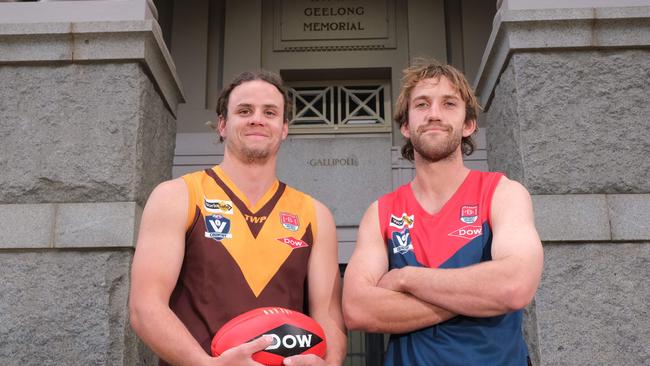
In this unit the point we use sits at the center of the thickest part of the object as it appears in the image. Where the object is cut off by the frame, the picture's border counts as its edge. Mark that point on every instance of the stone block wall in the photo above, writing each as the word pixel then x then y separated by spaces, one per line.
pixel 82 133
pixel 567 114
pixel 87 129
pixel 573 121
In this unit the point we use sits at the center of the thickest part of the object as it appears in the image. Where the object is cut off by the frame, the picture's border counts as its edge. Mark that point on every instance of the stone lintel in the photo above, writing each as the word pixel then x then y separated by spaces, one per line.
pixel 592 217
pixel 75 42
pixel 69 225
pixel 576 28
pixel 77 11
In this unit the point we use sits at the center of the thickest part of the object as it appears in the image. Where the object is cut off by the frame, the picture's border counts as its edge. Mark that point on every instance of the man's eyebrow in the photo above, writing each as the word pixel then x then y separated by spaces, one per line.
pixel 249 105
pixel 421 97
pixel 451 96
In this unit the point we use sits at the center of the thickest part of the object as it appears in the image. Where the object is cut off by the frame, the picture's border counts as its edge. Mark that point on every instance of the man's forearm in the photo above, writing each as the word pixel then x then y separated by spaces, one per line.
pixel 485 289
pixel 336 343
pixel 166 335
pixel 379 310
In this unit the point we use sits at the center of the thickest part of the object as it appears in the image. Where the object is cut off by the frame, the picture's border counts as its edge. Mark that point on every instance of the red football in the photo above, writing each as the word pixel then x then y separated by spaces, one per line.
pixel 293 333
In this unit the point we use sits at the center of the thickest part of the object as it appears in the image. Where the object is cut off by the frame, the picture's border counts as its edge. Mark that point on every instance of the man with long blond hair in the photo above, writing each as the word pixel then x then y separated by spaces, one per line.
pixel 446 262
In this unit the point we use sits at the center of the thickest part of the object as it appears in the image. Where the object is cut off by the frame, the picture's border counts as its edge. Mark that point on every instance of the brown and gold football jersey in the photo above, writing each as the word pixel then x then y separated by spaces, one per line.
pixel 239 257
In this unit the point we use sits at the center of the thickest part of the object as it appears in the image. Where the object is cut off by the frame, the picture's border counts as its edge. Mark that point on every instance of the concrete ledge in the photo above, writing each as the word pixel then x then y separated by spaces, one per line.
pixel 77 11
pixel 579 217
pixel 137 41
pixel 96 225
pixel 537 29
pixel 27 225
pixel 628 215
pixel 69 225
pixel 592 217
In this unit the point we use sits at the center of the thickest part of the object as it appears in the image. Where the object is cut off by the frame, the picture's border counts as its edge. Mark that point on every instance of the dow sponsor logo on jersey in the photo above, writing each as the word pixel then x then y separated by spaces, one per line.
pixel 469 214
pixel 218 227
pixel 293 242
pixel 289 221
pixel 467 232
pixel 218 206
pixel 404 220
pixel 402 242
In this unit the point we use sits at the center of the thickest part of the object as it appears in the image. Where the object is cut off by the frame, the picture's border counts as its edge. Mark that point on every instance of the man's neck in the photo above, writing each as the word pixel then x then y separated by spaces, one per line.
pixel 435 183
pixel 253 180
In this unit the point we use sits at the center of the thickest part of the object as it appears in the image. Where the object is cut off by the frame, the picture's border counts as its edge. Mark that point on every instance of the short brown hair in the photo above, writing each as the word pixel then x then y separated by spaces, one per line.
pixel 263 75
pixel 426 69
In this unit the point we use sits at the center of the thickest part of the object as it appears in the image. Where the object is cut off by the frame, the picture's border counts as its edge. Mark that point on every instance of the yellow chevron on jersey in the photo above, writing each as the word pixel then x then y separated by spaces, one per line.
pixel 259 238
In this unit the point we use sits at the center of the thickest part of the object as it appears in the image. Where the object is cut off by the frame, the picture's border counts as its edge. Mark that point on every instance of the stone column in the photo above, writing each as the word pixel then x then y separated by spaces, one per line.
pixel 567 111
pixel 87 124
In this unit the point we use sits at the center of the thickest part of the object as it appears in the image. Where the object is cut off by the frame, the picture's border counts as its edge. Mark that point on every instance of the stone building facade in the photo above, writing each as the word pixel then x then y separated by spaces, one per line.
pixel 101 100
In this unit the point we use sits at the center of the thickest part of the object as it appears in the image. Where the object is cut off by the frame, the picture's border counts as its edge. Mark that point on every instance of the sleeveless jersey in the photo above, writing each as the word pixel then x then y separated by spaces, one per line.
pixel 239 257
pixel 459 235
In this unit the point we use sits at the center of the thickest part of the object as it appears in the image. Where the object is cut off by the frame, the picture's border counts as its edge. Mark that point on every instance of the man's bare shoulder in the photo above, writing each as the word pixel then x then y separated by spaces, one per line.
pixel 170 193
pixel 322 211
pixel 509 189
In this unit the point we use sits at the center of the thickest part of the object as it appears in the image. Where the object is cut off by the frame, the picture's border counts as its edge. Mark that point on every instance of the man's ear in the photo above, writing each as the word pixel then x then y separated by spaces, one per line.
pixel 285 129
pixel 469 127
pixel 404 129
pixel 221 126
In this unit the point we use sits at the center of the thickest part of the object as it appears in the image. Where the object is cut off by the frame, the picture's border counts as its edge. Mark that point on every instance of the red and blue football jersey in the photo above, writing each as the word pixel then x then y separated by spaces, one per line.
pixel 459 235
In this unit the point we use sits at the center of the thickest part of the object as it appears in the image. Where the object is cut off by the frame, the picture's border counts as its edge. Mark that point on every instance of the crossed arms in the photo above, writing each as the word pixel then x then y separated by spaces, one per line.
pixel 427 296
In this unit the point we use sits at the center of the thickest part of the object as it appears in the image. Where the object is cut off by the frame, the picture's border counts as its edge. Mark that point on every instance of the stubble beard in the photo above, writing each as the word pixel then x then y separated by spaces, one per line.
pixel 433 152
pixel 255 155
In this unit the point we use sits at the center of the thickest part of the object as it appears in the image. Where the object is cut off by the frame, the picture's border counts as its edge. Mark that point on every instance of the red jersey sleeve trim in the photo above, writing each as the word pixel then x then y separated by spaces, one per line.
pixel 492 179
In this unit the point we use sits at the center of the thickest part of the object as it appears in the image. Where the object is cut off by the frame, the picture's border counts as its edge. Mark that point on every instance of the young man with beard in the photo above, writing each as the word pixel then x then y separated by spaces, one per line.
pixel 216 243
pixel 445 263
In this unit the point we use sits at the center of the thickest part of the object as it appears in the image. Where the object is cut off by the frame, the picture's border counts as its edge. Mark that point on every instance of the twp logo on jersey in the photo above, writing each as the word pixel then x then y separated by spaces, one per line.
pixel 469 214
pixel 467 232
pixel 400 222
pixel 255 219
pixel 290 340
pixel 218 227
pixel 218 206
pixel 293 242
pixel 402 242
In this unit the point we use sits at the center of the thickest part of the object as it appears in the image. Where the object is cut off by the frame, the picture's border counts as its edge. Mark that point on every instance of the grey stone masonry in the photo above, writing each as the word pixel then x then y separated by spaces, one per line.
pixel 86 111
pixel 592 307
pixel 592 217
pixel 66 308
pixel 567 114
pixel 573 121
pixel 69 225
pixel 81 133
pixel 87 129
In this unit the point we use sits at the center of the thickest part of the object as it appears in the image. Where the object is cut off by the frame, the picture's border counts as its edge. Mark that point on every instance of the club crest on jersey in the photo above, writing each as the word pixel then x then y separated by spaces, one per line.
pixel 289 221
pixel 469 214
pixel 402 242
pixel 293 242
pixel 400 222
pixel 218 206
pixel 467 232
pixel 218 227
